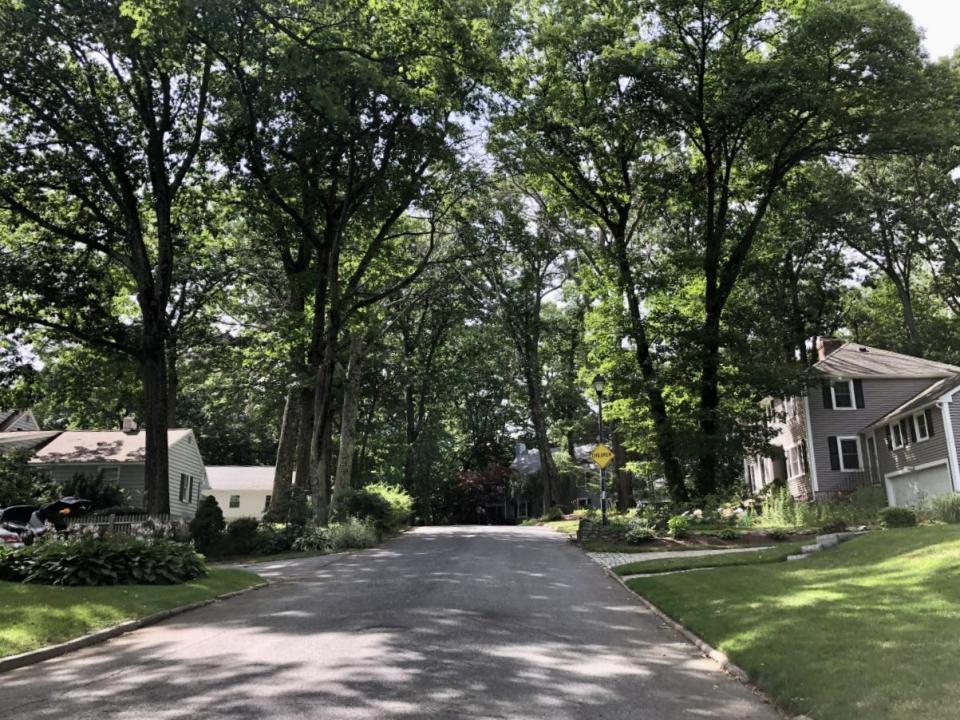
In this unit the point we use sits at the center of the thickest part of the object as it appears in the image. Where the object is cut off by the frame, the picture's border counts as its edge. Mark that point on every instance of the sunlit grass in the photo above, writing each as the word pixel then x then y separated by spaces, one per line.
pixel 32 616
pixel 868 629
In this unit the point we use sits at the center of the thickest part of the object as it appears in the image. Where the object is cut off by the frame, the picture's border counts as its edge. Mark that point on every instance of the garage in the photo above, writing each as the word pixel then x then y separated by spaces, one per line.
pixel 912 488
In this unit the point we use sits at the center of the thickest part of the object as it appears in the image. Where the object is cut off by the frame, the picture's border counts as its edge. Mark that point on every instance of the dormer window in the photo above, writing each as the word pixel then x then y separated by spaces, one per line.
pixel 843 394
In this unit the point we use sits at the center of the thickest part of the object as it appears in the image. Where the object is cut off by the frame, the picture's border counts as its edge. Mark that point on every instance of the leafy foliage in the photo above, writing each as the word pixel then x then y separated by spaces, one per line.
pixel 898 517
pixel 101 494
pixel 21 484
pixel 208 524
pixel 96 561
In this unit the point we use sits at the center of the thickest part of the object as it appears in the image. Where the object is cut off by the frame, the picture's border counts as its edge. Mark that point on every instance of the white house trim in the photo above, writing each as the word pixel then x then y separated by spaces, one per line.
pixel 815 486
pixel 912 469
pixel 954 465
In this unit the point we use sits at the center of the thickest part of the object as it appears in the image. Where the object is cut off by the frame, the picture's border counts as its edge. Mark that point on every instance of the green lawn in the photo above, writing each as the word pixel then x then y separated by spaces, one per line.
pixel 774 554
pixel 32 616
pixel 565 526
pixel 870 629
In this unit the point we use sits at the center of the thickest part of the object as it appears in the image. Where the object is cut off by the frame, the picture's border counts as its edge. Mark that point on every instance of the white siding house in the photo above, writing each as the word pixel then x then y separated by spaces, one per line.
pixel 120 456
pixel 240 490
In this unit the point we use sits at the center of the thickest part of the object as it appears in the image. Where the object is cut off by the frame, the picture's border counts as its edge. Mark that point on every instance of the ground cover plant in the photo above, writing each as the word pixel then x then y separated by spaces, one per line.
pixel 868 629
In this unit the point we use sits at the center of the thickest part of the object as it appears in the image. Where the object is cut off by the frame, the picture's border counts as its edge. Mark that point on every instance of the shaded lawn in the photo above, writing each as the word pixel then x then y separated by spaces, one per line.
pixel 756 557
pixel 868 629
pixel 32 616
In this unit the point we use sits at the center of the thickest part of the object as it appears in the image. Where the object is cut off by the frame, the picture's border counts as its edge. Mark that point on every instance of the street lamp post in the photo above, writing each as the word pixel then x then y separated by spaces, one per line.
pixel 599 383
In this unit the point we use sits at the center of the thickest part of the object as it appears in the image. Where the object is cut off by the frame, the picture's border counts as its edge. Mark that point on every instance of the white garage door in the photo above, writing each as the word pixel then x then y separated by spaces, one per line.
pixel 913 488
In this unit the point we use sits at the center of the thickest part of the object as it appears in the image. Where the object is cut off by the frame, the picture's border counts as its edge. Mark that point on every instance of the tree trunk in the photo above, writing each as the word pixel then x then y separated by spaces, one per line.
pixel 156 462
pixel 301 479
pixel 706 477
pixel 348 426
pixel 286 456
pixel 914 338
pixel 538 415
pixel 663 429
pixel 173 382
pixel 625 499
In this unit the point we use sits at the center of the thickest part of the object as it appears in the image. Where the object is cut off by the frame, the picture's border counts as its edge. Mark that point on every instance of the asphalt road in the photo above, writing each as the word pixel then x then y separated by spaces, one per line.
pixel 457 622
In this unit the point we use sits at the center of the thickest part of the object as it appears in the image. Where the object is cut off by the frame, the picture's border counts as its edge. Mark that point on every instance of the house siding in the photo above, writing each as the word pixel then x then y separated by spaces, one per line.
pixel 185 459
pixel 789 433
pixel 881 395
pixel 24 422
pixel 128 475
pixel 251 502
pixel 913 454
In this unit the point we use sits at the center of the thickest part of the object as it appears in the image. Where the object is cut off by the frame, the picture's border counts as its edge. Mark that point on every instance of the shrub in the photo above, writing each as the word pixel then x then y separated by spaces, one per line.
pixel 95 561
pixel 834 526
pixel 388 507
pixel 207 526
pixel 777 534
pixel 21 483
pixel 727 534
pixel 552 514
pixel 637 534
pixel 946 508
pixel 313 539
pixel 271 540
pixel 241 536
pixel 896 517
pixel 351 534
pixel 679 527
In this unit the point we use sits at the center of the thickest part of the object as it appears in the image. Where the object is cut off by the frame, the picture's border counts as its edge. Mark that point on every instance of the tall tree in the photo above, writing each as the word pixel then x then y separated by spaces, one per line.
pixel 645 112
pixel 516 258
pixel 103 111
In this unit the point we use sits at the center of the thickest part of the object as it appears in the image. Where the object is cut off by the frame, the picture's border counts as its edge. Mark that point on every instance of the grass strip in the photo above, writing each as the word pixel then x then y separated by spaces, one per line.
pixel 755 557
pixel 33 616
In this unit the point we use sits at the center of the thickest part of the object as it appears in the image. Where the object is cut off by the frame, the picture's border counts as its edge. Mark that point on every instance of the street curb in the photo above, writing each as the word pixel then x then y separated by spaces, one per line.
pixel 51 651
pixel 718 656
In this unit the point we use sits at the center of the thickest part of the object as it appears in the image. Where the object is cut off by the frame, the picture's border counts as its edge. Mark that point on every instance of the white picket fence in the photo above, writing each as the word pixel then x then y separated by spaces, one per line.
pixel 118 524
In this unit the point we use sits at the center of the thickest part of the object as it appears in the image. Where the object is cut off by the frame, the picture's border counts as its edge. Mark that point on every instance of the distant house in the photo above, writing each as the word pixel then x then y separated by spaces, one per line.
pixel 580 495
pixel 18 421
pixel 240 490
pixel 868 417
pixel 120 457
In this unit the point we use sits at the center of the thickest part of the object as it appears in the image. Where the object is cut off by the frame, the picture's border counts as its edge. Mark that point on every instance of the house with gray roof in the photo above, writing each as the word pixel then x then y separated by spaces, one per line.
pixel 18 421
pixel 119 457
pixel 869 418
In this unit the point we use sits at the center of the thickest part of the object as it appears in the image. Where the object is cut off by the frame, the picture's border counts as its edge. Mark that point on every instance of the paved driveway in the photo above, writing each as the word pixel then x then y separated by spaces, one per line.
pixel 458 622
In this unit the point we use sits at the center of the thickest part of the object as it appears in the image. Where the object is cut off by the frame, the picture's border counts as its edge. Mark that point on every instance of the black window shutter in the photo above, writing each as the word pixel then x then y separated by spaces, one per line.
pixel 803 454
pixel 928 414
pixel 910 429
pixel 827 397
pixel 858 392
pixel 886 437
pixel 834 452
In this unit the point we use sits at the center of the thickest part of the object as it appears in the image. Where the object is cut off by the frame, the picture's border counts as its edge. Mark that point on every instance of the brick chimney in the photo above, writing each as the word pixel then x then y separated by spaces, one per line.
pixel 827 346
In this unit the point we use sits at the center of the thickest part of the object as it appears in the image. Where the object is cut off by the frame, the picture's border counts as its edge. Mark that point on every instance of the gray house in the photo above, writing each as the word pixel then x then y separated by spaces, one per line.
pixel 120 457
pixel 18 421
pixel 869 417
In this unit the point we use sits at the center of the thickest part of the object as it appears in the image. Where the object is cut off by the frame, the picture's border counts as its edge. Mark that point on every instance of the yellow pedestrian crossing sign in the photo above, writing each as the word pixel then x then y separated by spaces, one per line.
pixel 602 455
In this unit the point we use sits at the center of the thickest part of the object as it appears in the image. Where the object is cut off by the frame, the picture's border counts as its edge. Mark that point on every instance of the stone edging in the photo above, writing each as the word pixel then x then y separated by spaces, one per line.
pixel 719 657
pixel 51 651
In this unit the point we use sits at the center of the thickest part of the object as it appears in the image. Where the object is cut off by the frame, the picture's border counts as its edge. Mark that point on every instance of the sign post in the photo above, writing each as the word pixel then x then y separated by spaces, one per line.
pixel 602 455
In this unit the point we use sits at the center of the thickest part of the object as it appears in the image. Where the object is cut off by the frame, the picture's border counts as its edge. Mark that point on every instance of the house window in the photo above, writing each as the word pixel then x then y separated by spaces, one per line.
pixel 266 504
pixel 920 423
pixel 795 462
pixel 234 501
pixel 843 397
pixel 896 436
pixel 849 453
pixel 183 488
pixel 584 502
pixel 523 509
